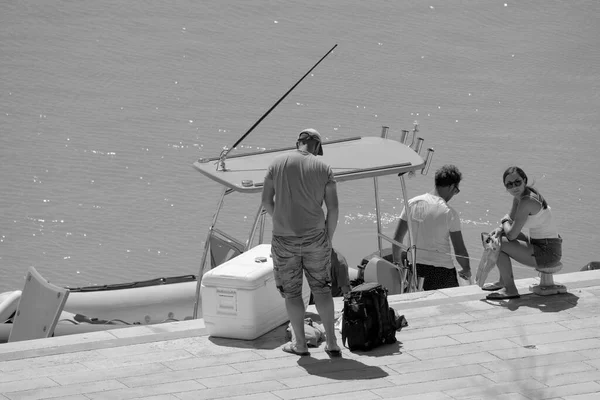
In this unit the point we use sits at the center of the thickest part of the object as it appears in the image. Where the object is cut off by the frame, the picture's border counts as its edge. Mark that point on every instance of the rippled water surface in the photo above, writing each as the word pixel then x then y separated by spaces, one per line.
pixel 104 106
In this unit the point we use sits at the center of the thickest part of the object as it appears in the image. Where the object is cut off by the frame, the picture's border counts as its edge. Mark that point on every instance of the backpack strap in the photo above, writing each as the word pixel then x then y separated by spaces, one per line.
pixel 380 295
pixel 342 330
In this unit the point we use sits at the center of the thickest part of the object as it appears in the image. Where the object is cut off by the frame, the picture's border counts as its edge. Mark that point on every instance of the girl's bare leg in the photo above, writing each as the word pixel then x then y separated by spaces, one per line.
pixel 520 251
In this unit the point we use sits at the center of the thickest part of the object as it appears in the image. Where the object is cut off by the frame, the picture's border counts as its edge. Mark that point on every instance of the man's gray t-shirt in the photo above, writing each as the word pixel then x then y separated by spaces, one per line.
pixel 299 179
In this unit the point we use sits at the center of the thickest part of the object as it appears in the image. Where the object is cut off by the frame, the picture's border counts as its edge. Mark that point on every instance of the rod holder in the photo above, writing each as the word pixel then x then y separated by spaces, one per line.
pixel 428 160
pixel 404 136
pixel 384 131
pixel 419 145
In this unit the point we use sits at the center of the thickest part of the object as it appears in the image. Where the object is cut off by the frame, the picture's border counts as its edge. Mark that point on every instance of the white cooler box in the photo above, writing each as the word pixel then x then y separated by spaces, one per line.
pixel 240 299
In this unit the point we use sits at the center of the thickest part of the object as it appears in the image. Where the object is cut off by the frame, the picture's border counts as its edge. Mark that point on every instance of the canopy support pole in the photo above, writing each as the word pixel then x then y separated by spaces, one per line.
pixel 412 286
pixel 378 215
pixel 206 251
pixel 259 219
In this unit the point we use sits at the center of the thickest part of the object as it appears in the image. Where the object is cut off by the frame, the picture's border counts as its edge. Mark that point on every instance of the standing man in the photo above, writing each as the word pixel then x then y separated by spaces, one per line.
pixel 434 224
pixel 295 187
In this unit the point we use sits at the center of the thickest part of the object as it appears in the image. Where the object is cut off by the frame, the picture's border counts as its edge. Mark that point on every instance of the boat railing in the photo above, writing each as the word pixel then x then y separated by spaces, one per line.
pixel 408 272
pixel 223 248
pixel 257 225
pixel 205 252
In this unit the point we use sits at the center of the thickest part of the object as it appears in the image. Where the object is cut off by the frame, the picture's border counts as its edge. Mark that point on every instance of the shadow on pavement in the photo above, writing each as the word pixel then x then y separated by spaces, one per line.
pixel 340 368
pixel 553 303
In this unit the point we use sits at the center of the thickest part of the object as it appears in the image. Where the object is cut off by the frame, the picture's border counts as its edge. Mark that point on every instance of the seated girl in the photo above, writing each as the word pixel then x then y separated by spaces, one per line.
pixel 543 247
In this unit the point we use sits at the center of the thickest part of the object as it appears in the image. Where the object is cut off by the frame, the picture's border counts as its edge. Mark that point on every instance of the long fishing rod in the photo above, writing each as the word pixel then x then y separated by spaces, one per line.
pixel 227 150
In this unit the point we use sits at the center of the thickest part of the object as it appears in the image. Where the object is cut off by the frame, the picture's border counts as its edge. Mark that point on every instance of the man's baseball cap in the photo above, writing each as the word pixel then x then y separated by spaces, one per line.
pixel 312 134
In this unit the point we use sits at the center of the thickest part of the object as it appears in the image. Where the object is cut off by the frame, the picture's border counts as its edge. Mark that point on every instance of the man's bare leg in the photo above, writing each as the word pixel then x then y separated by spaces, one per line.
pixel 324 304
pixel 295 309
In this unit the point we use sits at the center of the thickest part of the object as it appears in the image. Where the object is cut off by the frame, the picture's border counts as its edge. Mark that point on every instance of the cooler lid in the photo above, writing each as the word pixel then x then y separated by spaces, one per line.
pixel 249 270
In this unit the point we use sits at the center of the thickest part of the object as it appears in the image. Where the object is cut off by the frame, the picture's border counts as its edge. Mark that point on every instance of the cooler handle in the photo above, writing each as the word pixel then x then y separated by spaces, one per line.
pixel 226 301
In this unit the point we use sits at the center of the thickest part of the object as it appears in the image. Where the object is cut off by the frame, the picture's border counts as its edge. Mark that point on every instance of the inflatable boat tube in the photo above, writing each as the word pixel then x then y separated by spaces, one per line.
pixel 145 302
pixel 8 304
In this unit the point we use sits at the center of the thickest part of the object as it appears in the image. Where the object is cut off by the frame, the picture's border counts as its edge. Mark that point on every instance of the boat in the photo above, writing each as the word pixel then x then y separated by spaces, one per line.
pixel 177 298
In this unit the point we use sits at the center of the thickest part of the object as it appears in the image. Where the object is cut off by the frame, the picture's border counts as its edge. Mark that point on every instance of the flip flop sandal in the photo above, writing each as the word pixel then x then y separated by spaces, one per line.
pixel 502 296
pixel 333 353
pixel 289 348
pixel 492 287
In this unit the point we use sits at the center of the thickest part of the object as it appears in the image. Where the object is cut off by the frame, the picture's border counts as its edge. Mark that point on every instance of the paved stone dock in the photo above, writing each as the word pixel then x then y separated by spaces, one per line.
pixel 457 346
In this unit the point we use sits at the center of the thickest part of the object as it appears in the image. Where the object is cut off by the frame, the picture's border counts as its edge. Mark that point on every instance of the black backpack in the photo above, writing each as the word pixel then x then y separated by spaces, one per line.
pixel 368 321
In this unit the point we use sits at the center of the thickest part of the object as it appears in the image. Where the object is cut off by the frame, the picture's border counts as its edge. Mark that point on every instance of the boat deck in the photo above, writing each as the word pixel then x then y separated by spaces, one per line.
pixel 457 346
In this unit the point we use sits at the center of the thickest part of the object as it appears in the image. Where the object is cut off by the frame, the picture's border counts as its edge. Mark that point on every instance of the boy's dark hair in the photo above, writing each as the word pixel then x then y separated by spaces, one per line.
pixel 447 175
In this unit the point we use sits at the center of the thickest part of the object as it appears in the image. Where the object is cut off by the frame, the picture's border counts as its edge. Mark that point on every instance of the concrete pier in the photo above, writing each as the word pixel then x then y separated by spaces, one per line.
pixel 457 346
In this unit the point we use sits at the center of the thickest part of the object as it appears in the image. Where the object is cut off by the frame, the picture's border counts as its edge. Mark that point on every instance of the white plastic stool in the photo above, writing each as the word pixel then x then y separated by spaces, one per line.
pixel 547 286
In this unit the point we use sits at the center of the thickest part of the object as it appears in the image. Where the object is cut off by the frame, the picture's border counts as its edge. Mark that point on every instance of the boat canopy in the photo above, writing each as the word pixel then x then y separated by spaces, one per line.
pixel 350 159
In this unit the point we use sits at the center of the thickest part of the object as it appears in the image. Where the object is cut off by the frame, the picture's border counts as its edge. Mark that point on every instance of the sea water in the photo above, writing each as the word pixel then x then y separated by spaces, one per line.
pixel 105 106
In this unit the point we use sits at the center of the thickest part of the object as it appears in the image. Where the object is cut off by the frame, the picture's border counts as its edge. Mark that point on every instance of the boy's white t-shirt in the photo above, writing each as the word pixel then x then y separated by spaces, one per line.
pixel 432 221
